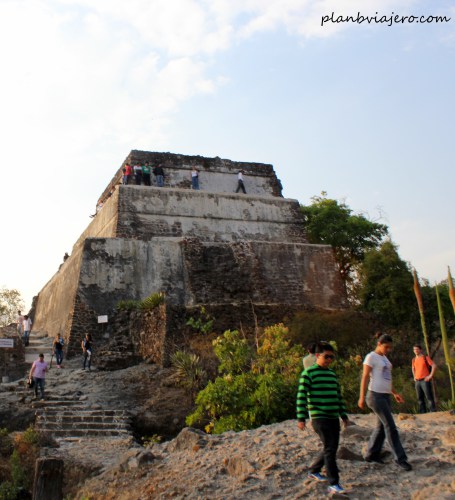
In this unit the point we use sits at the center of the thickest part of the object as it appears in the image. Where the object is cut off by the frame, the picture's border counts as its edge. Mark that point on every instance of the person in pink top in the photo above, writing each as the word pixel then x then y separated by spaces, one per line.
pixel 38 372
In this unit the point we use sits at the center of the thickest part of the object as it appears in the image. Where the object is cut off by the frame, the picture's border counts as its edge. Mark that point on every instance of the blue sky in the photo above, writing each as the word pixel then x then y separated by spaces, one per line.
pixel 364 112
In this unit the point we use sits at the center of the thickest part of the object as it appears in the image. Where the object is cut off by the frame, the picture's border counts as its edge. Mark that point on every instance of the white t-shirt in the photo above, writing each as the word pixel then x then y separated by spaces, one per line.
pixel 381 373
pixel 240 176
pixel 27 324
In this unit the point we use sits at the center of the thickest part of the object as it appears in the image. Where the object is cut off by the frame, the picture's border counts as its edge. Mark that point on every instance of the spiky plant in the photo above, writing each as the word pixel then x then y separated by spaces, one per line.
pixel 418 295
pixel 445 342
pixel 451 289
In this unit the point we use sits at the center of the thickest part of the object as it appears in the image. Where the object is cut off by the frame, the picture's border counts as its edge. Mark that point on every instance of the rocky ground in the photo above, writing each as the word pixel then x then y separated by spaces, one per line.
pixel 272 462
pixel 266 463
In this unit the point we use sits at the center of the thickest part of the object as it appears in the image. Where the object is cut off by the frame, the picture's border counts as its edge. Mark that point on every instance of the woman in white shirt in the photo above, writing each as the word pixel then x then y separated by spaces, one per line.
pixel 377 375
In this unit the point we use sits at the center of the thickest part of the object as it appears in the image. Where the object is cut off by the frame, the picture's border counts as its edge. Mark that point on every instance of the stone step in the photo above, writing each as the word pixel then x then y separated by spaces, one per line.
pixel 84 413
pixel 87 432
pixel 48 426
pixel 81 419
pixel 64 402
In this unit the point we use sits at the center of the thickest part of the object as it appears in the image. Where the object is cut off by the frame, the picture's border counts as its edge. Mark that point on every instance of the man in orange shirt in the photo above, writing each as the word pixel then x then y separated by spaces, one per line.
pixel 423 369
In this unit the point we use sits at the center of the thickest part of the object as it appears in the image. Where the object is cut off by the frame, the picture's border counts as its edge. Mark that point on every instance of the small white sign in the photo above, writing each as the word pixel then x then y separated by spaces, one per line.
pixel 102 319
pixel 6 342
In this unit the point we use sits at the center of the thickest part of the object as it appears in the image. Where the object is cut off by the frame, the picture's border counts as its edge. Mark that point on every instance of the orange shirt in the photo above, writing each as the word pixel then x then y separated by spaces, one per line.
pixel 421 370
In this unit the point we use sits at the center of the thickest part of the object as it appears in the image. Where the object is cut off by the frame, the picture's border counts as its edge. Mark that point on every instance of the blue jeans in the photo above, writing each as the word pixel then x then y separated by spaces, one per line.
pixel 160 181
pixel 195 182
pixel 385 427
pixel 26 337
pixel 87 359
pixel 425 390
pixel 39 383
pixel 58 357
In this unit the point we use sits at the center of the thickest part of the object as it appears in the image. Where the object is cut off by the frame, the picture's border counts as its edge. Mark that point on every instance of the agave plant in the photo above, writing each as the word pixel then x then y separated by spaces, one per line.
pixel 418 295
pixel 445 342
pixel 451 290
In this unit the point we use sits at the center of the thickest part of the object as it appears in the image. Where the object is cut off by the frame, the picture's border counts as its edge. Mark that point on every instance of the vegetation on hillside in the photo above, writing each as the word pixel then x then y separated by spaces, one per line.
pixel 10 302
pixel 258 378
pixel 17 462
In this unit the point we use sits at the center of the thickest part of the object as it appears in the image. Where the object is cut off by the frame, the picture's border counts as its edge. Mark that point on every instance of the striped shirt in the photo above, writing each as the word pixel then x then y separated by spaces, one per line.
pixel 319 395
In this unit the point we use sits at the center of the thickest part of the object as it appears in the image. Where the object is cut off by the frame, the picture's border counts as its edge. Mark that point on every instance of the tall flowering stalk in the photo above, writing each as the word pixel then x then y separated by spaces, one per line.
pixel 418 295
pixel 451 290
pixel 445 342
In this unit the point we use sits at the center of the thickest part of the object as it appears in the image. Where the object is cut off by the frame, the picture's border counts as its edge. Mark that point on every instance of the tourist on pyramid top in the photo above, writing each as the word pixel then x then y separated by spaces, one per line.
pixel 159 174
pixel 240 183
pixel 195 178
pixel 146 174
pixel 127 172
pixel 138 174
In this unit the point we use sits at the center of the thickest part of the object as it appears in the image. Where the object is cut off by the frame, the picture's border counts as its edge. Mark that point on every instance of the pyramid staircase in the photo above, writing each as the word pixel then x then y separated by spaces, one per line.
pixel 66 417
pixel 69 415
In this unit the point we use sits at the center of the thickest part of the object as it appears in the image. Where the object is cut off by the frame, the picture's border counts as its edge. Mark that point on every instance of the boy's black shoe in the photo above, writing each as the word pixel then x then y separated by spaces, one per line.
pixel 404 465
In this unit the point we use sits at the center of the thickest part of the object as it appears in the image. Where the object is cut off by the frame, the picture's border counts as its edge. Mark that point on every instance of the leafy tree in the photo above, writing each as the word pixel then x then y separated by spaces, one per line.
pixel 351 235
pixel 10 302
pixel 386 286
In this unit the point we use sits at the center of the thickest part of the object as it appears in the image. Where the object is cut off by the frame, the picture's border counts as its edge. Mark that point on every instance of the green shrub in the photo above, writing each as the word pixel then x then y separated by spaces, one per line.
pixel 127 305
pixel 153 439
pixel 152 301
pixel 7 491
pixel 31 436
pixel 18 475
pixel 203 323
pixel 233 353
pixel 147 304
pixel 446 405
pixel 256 387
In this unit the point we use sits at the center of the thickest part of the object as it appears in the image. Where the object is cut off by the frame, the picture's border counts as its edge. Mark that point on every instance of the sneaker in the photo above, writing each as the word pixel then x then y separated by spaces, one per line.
pixel 376 460
pixel 317 475
pixel 336 488
pixel 404 465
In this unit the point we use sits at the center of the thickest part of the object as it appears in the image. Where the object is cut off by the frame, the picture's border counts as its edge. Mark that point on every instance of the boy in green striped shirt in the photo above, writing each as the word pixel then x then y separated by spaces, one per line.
pixel 319 398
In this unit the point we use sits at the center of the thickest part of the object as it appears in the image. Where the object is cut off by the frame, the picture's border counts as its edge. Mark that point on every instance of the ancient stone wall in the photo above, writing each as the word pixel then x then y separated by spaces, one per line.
pixel 216 175
pixel 146 213
pixel 263 273
pixel 55 303
pixel 150 337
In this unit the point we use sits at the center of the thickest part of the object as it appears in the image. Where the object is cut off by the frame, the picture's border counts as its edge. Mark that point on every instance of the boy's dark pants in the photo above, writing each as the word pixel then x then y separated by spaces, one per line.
pixel 328 429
